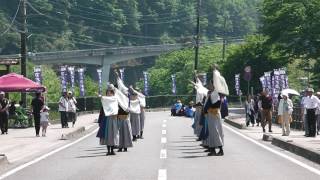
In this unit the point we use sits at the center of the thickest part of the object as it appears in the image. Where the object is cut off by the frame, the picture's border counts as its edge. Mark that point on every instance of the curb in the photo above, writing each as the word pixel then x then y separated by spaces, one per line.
pixel 3 160
pixel 296 149
pixel 157 109
pixel 73 134
pixel 267 137
pixel 235 124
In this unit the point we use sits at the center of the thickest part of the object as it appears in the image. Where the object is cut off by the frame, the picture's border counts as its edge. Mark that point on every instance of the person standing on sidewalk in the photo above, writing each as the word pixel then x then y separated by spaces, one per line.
pixel 318 116
pixel 250 111
pixel 304 113
pixel 72 108
pixel 4 106
pixel 44 120
pixel 311 104
pixel 266 109
pixel 63 109
pixel 37 105
pixel 285 110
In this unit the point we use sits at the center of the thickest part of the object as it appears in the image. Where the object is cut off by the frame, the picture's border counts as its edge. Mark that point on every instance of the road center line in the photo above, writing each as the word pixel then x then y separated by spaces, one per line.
pixel 165 121
pixel 164 125
pixel 19 168
pixel 299 163
pixel 164 132
pixel 163 154
pixel 163 140
pixel 162 174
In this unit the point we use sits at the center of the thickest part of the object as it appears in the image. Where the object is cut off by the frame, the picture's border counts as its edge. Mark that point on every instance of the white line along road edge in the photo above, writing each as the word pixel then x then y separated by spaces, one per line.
pixel 164 132
pixel 162 174
pixel 163 140
pixel 19 168
pixel 299 163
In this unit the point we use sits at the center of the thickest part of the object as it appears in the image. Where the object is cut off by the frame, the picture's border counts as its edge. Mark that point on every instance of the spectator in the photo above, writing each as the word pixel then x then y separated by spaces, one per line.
pixel 12 109
pixel 4 105
pixel 318 116
pixel 250 111
pixel 266 108
pixel 72 108
pixel 285 109
pixel 311 104
pixel 63 109
pixel 189 111
pixel 37 105
pixel 44 120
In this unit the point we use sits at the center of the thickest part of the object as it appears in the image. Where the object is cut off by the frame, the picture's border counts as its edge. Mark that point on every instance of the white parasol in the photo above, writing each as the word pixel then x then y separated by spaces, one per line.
pixel 290 91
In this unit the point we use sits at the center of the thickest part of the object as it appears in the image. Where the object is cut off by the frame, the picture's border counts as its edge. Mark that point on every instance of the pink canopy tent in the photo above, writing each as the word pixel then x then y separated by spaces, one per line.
pixel 17 83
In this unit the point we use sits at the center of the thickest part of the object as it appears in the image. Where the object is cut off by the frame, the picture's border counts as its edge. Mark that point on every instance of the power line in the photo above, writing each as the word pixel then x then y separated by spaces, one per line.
pixel 12 21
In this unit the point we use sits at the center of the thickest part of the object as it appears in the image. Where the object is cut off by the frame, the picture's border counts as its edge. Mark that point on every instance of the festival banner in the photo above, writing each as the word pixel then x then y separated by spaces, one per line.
pixel 237 84
pixel 71 71
pixel 63 78
pixel 276 83
pixel 174 88
pixel 37 74
pixel 146 83
pixel 99 71
pixel 263 82
pixel 267 76
pixel 121 73
pixel 81 81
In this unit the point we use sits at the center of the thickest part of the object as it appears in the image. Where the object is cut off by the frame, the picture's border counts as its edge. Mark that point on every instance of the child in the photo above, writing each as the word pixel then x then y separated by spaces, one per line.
pixel 44 120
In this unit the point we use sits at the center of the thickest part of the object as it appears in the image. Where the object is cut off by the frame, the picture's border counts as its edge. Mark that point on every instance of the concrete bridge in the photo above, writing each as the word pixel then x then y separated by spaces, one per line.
pixel 102 57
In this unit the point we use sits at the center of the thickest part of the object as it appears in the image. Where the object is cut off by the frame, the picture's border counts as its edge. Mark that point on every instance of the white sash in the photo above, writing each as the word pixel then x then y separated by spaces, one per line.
pixel 135 106
pixel 219 83
pixel 110 105
pixel 122 87
pixel 123 100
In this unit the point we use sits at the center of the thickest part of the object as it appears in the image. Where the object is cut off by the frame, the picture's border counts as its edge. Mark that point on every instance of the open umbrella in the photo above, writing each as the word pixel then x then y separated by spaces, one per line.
pixel 290 91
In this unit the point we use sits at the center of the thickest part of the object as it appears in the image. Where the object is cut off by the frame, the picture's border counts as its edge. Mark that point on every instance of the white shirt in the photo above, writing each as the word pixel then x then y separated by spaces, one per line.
pixel 64 103
pixel 44 116
pixel 312 102
pixel 72 104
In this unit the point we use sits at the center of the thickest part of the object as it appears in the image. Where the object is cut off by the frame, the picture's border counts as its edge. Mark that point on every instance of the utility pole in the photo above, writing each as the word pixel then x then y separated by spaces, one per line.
pixel 197 36
pixel 23 50
pixel 224 38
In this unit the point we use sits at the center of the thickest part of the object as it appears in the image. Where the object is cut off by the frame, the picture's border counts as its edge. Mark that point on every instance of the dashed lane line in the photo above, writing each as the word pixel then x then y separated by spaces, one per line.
pixel 162 174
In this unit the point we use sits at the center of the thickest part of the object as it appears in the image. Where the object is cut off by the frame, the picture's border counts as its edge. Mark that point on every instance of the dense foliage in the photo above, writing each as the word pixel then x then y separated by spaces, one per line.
pixel 78 24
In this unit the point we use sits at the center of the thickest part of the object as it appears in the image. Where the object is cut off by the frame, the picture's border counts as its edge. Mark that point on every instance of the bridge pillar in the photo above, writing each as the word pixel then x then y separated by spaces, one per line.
pixel 105 72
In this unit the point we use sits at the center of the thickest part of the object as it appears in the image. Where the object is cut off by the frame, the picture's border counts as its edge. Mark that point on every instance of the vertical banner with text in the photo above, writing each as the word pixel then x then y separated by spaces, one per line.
pixel 146 83
pixel 63 78
pixel 122 74
pixel 71 71
pixel 99 71
pixel 174 88
pixel 81 81
pixel 237 84
pixel 37 74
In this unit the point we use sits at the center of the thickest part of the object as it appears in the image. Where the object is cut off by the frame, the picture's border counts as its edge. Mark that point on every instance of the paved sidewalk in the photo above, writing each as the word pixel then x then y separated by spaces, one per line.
pixel 21 145
pixel 296 143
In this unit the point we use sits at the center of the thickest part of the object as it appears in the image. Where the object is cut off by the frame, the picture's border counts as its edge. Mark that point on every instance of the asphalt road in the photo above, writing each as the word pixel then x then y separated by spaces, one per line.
pixel 184 159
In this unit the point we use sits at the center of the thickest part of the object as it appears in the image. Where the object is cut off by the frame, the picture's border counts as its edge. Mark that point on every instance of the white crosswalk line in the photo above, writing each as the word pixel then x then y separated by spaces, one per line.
pixel 163 140
pixel 163 154
pixel 162 174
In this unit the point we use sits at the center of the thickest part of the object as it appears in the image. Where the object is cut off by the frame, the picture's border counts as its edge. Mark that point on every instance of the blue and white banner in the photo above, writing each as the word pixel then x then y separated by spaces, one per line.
pixel 121 73
pixel 237 84
pixel 71 71
pixel 146 83
pixel 276 83
pixel 81 81
pixel 267 76
pixel 63 78
pixel 174 88
pixel 263 82
pixel 99 71
pixel 37 74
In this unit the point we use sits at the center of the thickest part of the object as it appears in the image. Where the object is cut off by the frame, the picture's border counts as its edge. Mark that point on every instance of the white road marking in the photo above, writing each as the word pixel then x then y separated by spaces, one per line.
pixel 299 163
pixel 19 168
pixel 163 140
pixel 164 125
pixel 162 174
pixel 165 121
pixel 164 132
pixel 163 154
